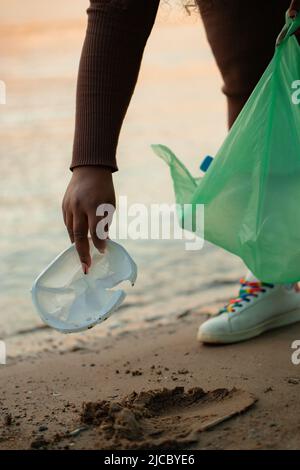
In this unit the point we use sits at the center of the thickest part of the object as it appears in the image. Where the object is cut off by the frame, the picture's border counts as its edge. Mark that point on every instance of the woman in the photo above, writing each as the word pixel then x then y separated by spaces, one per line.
pixel 242 37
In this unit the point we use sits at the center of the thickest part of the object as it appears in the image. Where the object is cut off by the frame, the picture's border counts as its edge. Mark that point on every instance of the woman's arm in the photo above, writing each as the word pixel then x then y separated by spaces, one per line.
pixel 115 39
pixel 112 52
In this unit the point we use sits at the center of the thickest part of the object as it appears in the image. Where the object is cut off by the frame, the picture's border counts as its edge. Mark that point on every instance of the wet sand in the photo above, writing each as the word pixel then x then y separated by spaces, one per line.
pixel 111 394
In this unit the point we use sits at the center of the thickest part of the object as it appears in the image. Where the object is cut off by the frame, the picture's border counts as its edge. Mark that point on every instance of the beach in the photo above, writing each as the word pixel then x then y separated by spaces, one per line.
pixel 87 390
pixel 59 401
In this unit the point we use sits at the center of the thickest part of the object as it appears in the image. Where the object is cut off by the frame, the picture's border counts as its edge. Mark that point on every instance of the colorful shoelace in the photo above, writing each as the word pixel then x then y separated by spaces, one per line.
pixel 248 289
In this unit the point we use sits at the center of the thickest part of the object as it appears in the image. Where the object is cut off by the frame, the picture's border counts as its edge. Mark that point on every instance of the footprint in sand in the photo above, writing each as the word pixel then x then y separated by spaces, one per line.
pixel 158 419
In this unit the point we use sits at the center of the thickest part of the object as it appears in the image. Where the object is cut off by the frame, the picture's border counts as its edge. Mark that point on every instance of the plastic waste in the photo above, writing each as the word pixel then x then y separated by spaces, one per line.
pixel 70 301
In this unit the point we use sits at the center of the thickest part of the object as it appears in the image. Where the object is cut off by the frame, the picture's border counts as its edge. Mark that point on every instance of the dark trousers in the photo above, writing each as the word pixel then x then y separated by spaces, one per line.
pixel 242 35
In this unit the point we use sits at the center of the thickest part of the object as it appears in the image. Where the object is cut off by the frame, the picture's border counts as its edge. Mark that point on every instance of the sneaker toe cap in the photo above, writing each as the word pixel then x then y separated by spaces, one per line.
pixel 214 330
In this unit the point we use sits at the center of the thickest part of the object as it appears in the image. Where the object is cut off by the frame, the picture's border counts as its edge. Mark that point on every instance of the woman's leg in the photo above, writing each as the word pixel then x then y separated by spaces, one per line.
pixel 243 41
pixel 242 37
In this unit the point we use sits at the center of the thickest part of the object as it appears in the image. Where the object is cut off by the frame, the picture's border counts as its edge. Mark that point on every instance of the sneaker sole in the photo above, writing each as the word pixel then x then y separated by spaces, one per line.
pixel 284 319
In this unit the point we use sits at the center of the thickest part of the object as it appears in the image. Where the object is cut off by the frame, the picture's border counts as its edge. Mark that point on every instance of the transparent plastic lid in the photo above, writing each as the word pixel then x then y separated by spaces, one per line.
pixel 70 301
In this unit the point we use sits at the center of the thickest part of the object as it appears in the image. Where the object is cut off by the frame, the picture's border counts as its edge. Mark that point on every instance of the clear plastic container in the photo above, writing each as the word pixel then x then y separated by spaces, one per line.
pixel 70 301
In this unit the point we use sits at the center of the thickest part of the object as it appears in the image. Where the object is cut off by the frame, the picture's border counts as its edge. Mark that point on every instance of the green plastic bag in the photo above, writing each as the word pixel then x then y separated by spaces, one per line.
pixel 251 191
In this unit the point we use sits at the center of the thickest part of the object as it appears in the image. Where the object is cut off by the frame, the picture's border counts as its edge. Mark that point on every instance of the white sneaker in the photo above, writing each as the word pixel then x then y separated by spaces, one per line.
pixel 260 307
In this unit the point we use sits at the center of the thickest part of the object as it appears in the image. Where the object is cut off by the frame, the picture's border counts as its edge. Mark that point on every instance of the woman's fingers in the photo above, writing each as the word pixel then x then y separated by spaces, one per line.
pixel 80 234
pixel 292 13
pixel 294 8
pixel 99 242
pixel 89 188
pixel 99 223
pixel 69 224
pixel 78 224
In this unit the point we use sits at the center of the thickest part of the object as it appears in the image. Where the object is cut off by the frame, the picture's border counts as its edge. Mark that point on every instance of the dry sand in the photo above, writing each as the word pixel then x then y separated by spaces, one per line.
pixel 126 392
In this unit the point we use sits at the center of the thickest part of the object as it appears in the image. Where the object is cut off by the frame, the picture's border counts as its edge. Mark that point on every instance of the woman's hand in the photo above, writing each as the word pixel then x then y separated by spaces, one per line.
pixel 90 186
pixel 292 13
pixel 294 8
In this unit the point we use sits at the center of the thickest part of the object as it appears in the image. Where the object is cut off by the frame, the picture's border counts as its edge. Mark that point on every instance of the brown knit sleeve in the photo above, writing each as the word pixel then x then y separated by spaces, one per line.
pixel 116 35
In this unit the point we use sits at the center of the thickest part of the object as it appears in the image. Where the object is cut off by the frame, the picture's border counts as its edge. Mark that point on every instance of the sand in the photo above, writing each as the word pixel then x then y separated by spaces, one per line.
pixel 156 388
pixel 163 418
